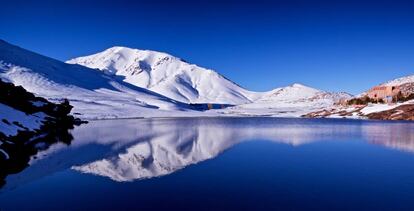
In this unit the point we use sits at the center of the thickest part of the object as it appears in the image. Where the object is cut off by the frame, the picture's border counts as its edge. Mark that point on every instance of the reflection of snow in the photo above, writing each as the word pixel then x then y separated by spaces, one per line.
pixel 126 150
pixel 177 144
pixel 393 135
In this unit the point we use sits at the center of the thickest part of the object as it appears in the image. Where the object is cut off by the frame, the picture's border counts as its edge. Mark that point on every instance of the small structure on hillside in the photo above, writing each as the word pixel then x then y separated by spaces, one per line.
pixel 383 92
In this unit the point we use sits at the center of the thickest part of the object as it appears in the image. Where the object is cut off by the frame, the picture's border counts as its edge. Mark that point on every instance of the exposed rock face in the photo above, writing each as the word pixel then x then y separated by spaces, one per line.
pixel 340 111
pixel 407 89
pixel 18 98
pixel 403 112
pixel 52 127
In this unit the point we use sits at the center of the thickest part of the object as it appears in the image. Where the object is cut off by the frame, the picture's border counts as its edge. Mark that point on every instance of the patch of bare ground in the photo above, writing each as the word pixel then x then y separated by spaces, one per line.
pixel 341 111
pixel 403 112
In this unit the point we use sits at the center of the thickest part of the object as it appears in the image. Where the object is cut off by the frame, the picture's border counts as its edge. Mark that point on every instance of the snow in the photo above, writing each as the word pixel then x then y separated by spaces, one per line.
pixel 373 108
pixel 141 83
pixel 399 81
pixel 93 94
pixel 168 75
pixel 38 103
pixel 31 122
pixel 179 80
pixel 291 101
pixel 100 148
pixel 6 155
pixel 173 144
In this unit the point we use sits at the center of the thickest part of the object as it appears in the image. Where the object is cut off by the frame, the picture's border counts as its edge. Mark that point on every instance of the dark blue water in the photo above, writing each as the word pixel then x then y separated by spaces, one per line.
pixel 222 164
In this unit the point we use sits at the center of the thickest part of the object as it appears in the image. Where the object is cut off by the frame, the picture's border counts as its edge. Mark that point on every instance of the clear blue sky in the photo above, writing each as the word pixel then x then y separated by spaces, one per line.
pixel 331 45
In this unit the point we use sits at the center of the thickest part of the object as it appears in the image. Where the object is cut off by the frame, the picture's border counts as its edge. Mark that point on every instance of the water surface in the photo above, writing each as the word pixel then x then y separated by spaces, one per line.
pixel 222 164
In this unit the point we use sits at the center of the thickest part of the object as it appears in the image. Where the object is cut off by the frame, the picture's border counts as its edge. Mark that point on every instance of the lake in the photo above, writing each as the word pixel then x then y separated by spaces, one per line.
pixel 221 164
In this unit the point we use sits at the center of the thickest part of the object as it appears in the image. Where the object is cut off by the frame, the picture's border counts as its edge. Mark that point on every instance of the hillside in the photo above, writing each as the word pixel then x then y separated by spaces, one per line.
pixel 130 83
pixel 392 100
pixel 179 80
pixel 167 75
pixel 399 81
pixel 93 94
pixel 29 124
pixel 293 100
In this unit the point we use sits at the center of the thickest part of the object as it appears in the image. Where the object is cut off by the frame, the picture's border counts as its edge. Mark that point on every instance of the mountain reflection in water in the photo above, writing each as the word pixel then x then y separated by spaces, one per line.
pixel 127 150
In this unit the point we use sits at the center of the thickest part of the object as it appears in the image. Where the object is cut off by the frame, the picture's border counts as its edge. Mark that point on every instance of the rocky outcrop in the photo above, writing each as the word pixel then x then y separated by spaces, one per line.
pixel 53 127
pixel 338 111
pixel 394 112
pixel 403 112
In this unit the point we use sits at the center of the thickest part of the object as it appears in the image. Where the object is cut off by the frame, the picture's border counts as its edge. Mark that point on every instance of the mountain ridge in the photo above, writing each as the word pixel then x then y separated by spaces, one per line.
pixel 178 80
pixel 167 75
pixel 102 93
pixel 93 94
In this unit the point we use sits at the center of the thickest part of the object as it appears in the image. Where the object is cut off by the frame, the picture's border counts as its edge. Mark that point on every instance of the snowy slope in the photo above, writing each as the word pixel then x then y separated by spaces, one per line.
pixel 177 79
pixel 93 94
pixel 399 81
pixel 299 94
pixel 167 75
pixel 138 83
pixel 13 120
pixel 27 124
pixel 293 100
pixel 406 85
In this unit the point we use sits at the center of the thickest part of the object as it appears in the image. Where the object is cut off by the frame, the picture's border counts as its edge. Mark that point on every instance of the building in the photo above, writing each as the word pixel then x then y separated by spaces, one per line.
pixel 383 92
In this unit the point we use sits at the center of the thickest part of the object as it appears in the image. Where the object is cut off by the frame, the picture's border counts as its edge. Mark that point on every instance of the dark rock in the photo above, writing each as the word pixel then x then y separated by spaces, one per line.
pixel 21 147
pixel 402 112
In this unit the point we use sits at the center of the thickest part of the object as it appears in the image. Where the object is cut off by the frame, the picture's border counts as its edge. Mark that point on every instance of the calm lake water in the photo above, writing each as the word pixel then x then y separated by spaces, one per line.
pixel 222 164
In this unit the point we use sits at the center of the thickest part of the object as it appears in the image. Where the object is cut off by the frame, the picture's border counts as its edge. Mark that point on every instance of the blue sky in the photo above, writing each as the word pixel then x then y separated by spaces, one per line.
pixel 331 45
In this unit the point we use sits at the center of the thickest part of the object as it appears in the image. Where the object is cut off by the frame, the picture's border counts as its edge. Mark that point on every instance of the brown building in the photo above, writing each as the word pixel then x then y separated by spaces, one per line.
pixel 383 92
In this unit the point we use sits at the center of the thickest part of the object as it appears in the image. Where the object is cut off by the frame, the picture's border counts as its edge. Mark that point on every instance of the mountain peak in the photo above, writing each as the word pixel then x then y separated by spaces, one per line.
pixel 298 85
pixel 167 75
pixel 301 88
pixel 134 52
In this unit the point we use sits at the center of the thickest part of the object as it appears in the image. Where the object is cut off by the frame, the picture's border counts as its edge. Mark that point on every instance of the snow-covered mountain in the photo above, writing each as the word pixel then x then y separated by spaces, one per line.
pixel 293 100
pixel 93 94
pixel 299 94
pixel 399 81
pixel 141 83
pixel 179 80
pixel 167 75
